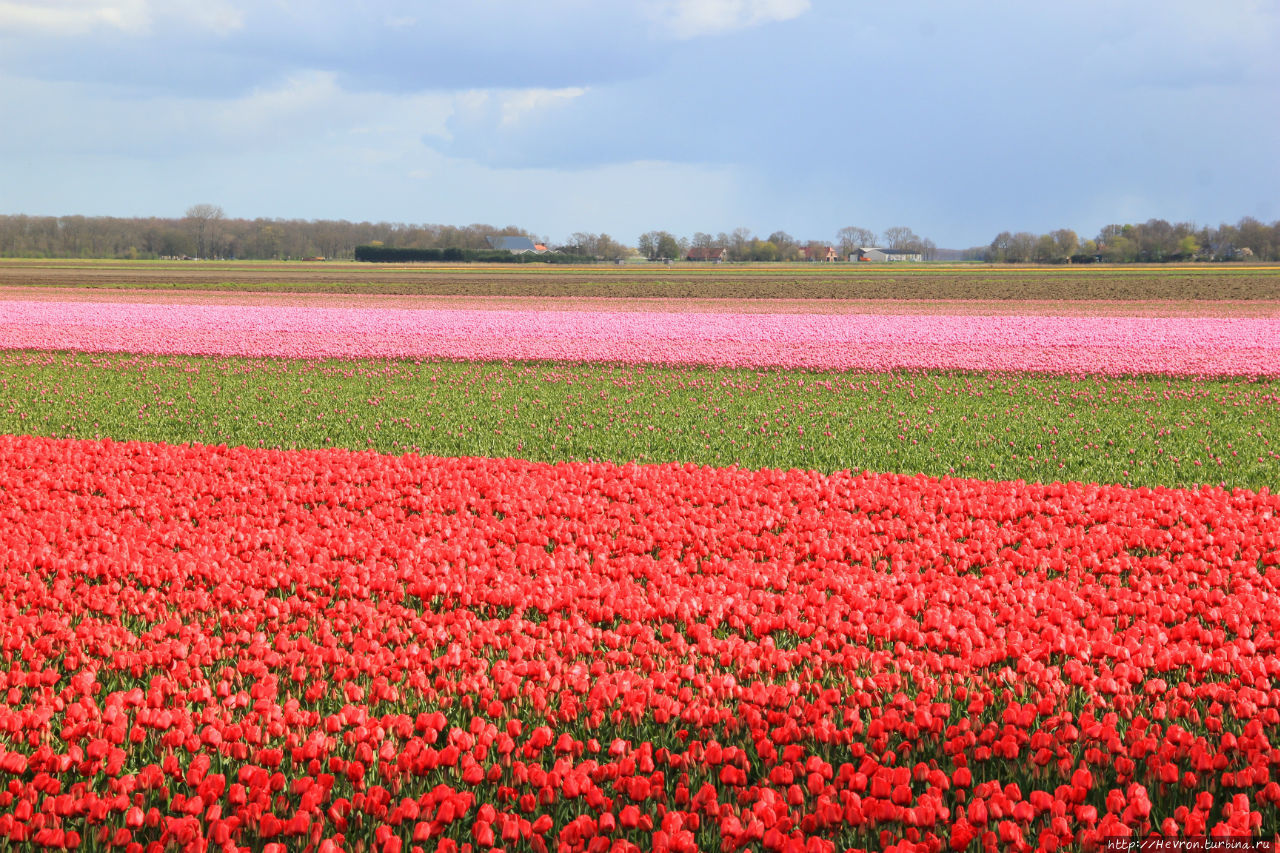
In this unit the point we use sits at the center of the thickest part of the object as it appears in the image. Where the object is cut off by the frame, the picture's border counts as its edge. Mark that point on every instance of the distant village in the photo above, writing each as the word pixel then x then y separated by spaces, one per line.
pixel 824 254
pixel 720 254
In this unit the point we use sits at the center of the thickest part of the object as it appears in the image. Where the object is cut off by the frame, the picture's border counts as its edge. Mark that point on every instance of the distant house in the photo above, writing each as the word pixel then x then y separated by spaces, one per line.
pixel 826 254
pixel 716 254
pixel 880 256
pixel 515 245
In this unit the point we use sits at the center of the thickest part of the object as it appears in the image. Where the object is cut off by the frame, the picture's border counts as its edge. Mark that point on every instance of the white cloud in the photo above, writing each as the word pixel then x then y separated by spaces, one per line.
pixel 299 101
pixel 73 17
pixel 1189 45
pixel 308 109
pixel 484 113
pixel 693 18
pixel 516 105
pixel 217 16
pixel 311 109
pixel 78 17
pixel 512 127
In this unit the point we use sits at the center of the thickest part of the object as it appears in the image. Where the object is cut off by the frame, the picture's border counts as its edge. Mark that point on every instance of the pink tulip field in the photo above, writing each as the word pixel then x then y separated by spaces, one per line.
pixel 283 576
pixel 1114 345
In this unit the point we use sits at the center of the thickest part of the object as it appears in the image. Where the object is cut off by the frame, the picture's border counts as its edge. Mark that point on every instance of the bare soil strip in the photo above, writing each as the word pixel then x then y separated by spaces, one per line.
pixel 1217 283
pixel 969 307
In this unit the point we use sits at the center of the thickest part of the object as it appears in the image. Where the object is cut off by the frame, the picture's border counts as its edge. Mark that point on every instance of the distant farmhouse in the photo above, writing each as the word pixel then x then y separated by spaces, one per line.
pixel 515 245
pixel 873 255
pixel 716 254
pixel 827 254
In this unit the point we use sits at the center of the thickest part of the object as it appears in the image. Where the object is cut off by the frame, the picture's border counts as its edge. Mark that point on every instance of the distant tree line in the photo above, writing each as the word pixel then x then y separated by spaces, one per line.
pixel 205 232
pixel 598 246
pixel 742 245
pixel 1153 241
pixel 388 254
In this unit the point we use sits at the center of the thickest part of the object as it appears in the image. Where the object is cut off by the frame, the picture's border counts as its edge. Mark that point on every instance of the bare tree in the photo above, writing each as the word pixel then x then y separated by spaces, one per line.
pixel 648 244
pixel 852 237
pixel 1109 233
pixel 1065 242
pixel 1045 250
pixel 599 246
pixel 900 237
pixel 581 243
pixel 661 245
pixel 1022 247
pixel 203 218
pixel 739 244
pixel 998 251
pixel 788 246
pixel 1157 240
pixel 609 248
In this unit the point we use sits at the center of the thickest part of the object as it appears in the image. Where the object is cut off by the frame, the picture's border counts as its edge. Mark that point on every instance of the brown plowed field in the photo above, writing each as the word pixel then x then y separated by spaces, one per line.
pixel 808 282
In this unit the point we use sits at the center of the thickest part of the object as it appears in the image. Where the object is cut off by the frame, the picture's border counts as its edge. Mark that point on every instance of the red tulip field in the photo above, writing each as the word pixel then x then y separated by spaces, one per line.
pixel 225 634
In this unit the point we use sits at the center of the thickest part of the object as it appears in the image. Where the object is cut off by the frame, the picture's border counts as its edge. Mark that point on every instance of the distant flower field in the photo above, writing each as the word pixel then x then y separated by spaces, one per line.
pixel 285 577
pixel 1115 345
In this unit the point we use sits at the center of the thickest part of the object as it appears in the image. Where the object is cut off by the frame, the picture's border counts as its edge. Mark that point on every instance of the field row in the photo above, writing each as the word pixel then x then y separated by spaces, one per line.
pixel 1186 346
pixel 263 646
pixel 976 308
pixel 995 426
pixel 808 281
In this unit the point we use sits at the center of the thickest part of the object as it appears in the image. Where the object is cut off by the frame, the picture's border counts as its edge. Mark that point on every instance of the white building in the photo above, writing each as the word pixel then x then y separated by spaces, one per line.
pixel 874 255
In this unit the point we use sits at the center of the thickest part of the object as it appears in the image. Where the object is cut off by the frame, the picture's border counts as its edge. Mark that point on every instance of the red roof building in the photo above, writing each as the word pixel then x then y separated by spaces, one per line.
pixel 816 252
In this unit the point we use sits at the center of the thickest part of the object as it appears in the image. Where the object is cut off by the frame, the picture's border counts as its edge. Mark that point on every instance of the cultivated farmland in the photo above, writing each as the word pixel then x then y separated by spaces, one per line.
pixel 371 558
pixel 1222 283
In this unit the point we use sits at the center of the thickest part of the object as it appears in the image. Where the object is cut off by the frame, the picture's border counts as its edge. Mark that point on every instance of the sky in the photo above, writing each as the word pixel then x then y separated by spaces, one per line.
pixel 957 120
